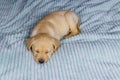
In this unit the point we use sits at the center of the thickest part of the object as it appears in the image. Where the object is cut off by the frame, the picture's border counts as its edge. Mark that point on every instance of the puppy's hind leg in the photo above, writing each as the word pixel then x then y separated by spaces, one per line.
pixel 73 22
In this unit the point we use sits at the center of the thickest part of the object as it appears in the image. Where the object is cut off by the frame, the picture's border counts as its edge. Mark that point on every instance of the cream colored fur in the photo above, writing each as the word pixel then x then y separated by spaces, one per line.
pixel 46 35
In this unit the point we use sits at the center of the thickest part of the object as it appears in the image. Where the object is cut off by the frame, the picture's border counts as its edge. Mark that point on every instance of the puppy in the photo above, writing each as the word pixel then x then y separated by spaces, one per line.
pixel 46 36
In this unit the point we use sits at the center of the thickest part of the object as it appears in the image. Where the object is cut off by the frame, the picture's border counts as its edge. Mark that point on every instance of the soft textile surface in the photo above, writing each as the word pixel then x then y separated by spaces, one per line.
pixel 92 55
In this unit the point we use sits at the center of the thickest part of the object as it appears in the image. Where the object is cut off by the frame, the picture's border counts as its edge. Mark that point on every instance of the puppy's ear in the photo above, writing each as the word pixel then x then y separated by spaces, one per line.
pixel 56 44
pixel 29 43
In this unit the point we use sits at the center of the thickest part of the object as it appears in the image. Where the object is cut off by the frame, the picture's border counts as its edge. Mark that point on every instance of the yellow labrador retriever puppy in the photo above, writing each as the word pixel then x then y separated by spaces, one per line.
pixel 46 36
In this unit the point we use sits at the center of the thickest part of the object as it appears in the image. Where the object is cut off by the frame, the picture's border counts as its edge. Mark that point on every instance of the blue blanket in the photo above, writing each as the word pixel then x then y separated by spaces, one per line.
pixel 92 55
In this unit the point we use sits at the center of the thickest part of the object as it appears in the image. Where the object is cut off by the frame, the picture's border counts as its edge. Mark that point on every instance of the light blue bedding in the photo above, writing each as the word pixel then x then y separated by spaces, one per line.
pixel 92 55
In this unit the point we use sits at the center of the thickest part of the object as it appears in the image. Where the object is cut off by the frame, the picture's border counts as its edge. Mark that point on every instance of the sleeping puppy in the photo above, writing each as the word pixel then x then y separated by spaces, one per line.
pixel 46 36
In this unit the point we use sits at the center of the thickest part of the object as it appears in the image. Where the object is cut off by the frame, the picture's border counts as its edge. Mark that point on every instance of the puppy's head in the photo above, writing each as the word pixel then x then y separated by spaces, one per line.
pixel 42 46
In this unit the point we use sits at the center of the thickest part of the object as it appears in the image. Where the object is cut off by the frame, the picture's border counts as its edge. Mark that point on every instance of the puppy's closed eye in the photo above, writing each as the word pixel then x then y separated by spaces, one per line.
pixel 37 51
pixel 46 52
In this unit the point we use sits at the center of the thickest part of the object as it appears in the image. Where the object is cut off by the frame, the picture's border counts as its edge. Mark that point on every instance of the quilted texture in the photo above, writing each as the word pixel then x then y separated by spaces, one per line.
pixel 92 55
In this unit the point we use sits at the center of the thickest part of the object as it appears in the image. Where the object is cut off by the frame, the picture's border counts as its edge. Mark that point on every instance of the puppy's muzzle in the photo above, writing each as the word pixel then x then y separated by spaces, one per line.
pixel 41 61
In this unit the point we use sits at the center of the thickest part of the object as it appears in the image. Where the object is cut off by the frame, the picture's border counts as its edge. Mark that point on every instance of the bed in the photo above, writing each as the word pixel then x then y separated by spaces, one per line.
pixel 94 54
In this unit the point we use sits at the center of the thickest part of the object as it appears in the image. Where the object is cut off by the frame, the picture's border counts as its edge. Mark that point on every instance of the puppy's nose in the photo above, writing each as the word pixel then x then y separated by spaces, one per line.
pixel 41 61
